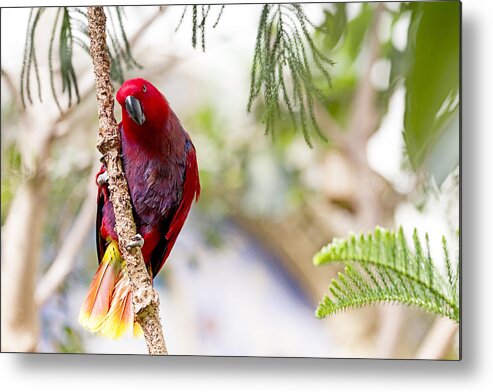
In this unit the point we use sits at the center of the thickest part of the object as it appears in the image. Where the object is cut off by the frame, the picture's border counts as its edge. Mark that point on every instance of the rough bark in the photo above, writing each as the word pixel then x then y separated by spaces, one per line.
pixel 145 298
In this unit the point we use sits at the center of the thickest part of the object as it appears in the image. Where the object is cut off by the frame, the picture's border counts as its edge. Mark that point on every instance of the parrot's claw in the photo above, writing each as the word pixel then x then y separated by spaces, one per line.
pixel 136 241
pixel 102 178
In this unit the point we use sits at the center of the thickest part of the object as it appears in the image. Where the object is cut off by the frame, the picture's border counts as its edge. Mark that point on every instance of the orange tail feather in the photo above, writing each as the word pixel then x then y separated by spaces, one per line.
pixel 107 309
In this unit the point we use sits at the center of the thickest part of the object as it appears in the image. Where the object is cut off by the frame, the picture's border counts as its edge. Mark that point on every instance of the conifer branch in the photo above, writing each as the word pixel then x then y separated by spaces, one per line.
pixel 199 22
pixel 284 63
pixel 145 298
pixel 68 32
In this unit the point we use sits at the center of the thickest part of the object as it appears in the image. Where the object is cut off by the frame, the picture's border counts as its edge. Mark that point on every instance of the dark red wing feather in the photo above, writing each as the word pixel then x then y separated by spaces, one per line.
pixel 173 226
pixel 191 190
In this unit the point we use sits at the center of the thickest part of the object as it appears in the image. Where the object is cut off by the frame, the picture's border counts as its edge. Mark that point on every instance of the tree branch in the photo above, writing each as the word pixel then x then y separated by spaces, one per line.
pixel 21 250
pixel 64 261
pixel 438 340
pixel 145 298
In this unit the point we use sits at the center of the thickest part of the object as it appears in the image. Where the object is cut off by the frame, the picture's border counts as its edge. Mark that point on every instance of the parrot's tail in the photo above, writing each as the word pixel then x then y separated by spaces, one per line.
pixel 107 309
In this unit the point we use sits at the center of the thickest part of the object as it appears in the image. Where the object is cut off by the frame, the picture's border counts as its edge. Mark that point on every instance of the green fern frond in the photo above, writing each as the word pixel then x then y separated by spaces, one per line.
pixel 381 267
pixel 285 50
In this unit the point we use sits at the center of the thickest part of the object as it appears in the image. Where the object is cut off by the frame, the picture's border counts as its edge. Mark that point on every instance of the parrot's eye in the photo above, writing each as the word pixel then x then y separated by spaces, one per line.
pixel 144 88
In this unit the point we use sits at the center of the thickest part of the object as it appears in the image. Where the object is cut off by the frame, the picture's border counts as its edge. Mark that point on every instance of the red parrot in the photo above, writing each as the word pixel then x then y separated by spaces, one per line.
pixel 161 169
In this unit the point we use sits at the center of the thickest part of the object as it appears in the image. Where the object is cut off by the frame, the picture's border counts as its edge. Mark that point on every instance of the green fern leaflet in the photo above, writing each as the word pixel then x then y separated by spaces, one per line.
pixel 381 267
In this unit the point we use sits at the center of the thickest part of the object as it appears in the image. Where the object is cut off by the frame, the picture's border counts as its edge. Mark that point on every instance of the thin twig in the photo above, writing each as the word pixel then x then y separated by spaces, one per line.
pixel 145 298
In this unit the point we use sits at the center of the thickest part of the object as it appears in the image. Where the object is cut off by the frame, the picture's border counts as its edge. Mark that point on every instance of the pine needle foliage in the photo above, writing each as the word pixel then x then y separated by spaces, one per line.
pixel 382 267
pixel 30 63
pixel 69 31
pixel 284 66
pixel 200 14
pixel 120 53
pixel 284 63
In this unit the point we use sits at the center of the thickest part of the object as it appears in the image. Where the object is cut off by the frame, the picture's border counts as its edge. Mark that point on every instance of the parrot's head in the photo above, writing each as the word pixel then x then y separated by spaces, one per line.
pixel 144 108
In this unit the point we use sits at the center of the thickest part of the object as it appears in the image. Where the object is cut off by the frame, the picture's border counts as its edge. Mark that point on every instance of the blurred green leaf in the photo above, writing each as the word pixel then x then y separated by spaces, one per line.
pixel 335 25
pixel 71 341
pixel 347 44
pixel 445 156
pixel 356 31
pixel 432 83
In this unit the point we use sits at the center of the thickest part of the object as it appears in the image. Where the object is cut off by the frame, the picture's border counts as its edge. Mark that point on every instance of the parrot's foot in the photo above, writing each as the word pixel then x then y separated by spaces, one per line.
pixel 102 178
pixel 136 241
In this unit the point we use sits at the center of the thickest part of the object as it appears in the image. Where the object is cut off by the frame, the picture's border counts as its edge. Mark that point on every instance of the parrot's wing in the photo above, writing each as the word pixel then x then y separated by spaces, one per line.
pixel 102 197
pixel 191 190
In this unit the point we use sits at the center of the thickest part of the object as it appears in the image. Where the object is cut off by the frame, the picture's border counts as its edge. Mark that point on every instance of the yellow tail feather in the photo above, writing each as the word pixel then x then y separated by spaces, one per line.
pixel 137 330
pixel 107 309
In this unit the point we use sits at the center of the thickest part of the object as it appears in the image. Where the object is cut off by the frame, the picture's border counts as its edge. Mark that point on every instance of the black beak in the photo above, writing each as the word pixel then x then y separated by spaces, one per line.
pixel 134 110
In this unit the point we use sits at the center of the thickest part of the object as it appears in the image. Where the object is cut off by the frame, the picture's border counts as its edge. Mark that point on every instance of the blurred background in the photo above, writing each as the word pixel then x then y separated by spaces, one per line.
pixel 240 280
